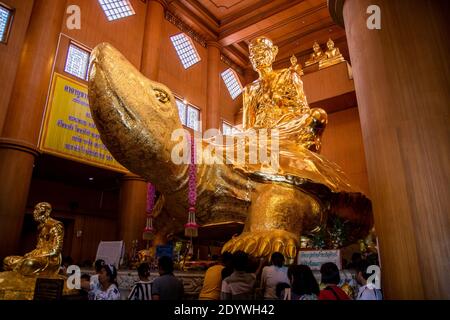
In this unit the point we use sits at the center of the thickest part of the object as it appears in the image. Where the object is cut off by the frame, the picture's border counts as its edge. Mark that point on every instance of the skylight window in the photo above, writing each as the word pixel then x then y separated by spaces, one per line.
pixel 6 15
pixel 77 62
pixel 116 9
pixel 232 82
pixel 185 49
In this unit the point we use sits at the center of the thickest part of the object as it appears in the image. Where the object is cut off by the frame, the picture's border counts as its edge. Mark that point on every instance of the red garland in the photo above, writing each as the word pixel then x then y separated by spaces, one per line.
pixel 149 230
pixel 191 227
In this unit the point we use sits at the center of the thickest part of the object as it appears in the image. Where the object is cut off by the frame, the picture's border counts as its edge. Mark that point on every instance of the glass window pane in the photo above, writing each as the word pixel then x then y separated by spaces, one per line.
pixel 185 49
pixel 5 17
pixel 181 111
pixel 193 118
pixel 77 62
pixel 232 82
pixel 116 9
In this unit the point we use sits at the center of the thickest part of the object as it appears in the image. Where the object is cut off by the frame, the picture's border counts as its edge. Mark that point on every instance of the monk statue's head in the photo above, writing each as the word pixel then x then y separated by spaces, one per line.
pixel 330 44
pixel 42 212
pixel 316 47
pixel 262 53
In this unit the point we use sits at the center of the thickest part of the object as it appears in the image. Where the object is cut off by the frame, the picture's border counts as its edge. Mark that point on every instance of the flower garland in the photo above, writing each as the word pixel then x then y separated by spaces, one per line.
pixel 149 230
pixel 191 227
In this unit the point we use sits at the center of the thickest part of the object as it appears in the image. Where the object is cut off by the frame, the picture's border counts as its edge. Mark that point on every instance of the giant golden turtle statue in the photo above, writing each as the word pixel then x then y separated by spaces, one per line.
pixel 137 119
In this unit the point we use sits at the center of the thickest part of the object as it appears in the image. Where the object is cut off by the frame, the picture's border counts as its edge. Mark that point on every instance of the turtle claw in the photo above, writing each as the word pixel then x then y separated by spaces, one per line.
pixel 264 243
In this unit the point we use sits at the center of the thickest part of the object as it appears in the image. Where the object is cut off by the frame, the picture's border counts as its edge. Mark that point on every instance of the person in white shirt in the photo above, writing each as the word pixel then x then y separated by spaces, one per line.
pixel 367 291
pixel 108 289
pixel 273 275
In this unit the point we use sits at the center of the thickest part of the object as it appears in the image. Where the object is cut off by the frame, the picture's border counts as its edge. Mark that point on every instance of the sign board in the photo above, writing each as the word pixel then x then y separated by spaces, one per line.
pixel 315 258
pixel 111 252
pixel 48 289
pixel 69 130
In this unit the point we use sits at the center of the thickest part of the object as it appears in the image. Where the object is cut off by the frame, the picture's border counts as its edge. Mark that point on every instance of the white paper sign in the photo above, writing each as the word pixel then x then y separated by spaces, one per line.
pixel 111 252
pixel 315 258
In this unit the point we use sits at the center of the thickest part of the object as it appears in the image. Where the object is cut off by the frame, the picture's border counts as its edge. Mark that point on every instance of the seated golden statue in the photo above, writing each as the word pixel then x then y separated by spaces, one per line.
pixel 332 56
pixel 316 56
pixel 46 258
pixel 276 99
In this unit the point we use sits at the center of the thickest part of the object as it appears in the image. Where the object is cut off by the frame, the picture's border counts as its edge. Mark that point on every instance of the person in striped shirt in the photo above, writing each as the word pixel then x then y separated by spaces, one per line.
pixel 142 290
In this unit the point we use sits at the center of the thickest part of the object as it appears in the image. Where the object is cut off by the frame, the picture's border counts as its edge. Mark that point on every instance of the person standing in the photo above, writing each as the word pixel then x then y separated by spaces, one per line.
pixel 213 279
pixel 272 275
pixel 167 286
pixel 330 279
pixel 142 290
pixel 367 291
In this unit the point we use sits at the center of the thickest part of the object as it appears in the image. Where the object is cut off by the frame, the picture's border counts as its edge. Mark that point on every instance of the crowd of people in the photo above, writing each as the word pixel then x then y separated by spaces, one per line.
pixel 236 277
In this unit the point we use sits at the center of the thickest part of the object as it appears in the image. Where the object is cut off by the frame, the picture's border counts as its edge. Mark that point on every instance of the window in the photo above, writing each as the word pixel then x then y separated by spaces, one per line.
pixel 6 16
pixel 77 61
pixel 189 115
pixel 185 49
pixel 228 129
pixel 116 9
pixel 232 82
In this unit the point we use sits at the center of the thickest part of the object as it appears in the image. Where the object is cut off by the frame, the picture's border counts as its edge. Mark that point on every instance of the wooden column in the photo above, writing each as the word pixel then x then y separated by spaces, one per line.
pixel 401 77
pixel 133 190
pixel 152 39
pixel 132 205
pixel 18 142
pixel 213 116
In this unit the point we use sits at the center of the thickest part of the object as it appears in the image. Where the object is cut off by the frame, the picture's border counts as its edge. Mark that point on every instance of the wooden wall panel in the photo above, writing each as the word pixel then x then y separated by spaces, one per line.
pixel 10 52
pixel 342 143
pixel 189 84
pixel 125 34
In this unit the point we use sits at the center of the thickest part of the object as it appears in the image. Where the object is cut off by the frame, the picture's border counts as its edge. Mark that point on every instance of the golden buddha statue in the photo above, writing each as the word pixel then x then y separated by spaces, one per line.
pixel 277 100
pixel 316 56
pixel 46 258
pixel 332 56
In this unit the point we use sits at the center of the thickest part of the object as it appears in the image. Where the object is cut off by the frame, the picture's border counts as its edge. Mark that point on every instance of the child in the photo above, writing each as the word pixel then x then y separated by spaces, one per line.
pixel 142 290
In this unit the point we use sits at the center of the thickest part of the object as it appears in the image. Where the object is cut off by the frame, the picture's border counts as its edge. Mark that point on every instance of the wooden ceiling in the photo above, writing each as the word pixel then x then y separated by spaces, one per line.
pixel 293 25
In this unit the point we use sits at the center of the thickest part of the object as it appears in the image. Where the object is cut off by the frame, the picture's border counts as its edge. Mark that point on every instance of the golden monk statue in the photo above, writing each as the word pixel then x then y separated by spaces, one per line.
pixel 46 258
pixel 138 121
pixel 332 56
pixel 316 56
pixel 276 98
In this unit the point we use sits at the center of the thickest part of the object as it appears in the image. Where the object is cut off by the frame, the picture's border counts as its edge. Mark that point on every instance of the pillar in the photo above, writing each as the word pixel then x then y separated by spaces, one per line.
pixel 19 138
pixel 133 190
pixel 151 47
pixel 401 74
pixel 132 205
pixel 213 116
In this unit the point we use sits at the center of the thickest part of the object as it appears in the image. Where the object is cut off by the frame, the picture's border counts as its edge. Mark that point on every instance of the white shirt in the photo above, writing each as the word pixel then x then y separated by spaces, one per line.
pixel 369 292
pixel 112 293
pixel 271 276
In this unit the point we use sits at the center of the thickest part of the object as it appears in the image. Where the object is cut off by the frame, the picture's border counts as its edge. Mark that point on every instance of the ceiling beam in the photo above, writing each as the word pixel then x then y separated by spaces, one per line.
pixel 267 22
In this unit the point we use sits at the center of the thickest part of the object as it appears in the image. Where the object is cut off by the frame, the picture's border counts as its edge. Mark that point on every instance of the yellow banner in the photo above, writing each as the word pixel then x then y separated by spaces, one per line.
pixel 69 130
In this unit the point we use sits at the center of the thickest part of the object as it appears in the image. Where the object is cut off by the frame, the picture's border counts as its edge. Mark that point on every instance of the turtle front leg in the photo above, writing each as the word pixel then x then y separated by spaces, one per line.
pixel 274 224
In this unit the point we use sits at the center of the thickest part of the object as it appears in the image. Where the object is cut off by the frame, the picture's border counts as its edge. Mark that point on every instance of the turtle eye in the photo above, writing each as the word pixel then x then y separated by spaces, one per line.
pixel 161 95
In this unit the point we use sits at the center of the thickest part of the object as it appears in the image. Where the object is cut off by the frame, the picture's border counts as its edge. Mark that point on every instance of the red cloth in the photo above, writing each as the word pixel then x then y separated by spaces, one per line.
pixel 327 294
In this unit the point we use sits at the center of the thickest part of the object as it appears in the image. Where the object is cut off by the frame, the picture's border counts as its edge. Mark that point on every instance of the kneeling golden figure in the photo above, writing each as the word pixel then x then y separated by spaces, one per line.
pixel 46 258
